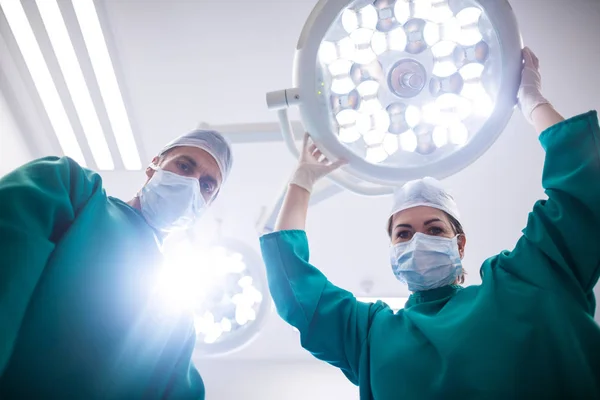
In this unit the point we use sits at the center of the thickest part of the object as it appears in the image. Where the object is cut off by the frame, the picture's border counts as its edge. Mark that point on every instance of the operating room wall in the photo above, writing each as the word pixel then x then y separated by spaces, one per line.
pixel 13 149
pixel 259 380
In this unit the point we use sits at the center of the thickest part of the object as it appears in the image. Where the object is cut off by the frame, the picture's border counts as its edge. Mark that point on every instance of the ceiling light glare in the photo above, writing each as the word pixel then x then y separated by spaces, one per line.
pixel 346 48
pixel 431 33
pixel 349 135
pixel 408 141
pixel 413 116
pixel 402 11
pixel 222 285
pixel 346 117
pixel 76 84
pixel 368 88
pixel 328 52
pixel 42 79
pixel 472 71
pixel 368 17
pixel 374 137
pixel 349 20
pixel 458 134
pixel 443 49
pixel 391 143
pixel 376 154
pixel 468 19
pixel 440 11
pixel 85 11
pixel 395 303
pixel 397 39
pixel 422 9
pixel 440 136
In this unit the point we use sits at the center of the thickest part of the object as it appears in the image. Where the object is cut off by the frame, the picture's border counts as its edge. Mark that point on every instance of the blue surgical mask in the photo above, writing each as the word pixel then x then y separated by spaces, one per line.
pixel 426 262
pixel 171 202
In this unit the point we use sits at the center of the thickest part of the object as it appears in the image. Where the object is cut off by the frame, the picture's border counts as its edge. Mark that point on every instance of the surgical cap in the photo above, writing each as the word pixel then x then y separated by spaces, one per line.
pixel 210 141
pixel 427 192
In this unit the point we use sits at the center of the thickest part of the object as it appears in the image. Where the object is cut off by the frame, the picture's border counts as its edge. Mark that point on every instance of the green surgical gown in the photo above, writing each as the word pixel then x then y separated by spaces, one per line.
pixel 79 318
pixel 527 332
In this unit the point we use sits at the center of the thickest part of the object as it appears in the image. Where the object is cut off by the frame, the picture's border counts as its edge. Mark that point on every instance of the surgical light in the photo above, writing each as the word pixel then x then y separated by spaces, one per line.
pixel 223 285
pixel 403 88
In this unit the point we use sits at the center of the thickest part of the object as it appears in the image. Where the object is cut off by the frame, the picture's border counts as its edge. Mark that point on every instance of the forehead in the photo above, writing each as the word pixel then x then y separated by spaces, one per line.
pixel 418 215
pixel 203 160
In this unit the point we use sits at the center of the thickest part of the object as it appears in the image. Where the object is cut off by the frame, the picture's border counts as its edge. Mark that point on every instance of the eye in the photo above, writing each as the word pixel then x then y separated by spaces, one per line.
pixel 184 167
pixel 404 235
pixel 436 230
pixel 207 186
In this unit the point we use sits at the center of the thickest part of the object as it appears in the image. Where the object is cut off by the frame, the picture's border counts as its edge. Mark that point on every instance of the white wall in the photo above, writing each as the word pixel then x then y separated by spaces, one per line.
pixel 13 150
pixel 261 380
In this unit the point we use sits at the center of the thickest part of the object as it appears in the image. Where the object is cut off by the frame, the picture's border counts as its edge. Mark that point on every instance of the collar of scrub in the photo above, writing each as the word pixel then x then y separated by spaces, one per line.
pixel 427 296
pixel 159 237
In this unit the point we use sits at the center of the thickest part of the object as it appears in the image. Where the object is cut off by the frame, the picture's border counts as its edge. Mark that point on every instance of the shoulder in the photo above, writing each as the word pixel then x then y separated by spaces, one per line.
pixel 64 168
pixel 58 175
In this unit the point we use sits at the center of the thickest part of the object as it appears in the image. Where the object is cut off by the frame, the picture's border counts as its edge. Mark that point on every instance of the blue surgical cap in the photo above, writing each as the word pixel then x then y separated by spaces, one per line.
pixel 210 141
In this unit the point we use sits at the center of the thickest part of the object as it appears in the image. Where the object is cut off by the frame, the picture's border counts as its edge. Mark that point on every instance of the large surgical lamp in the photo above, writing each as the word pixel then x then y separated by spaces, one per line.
pixel 223 285
pixel 403 89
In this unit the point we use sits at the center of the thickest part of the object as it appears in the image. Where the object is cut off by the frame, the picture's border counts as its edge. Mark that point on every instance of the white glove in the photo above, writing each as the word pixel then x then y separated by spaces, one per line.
pixel 530 92
pixel 312 165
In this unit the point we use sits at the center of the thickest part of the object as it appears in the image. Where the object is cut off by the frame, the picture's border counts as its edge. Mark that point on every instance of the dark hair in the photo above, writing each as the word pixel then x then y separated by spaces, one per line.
pixel 456 226
pixel 458 230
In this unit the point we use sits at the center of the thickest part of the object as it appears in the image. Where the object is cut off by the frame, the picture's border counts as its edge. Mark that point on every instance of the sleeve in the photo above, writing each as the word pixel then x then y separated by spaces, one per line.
pixel 186 383
pixel 38 202
pixel 333 325
pixel 561 243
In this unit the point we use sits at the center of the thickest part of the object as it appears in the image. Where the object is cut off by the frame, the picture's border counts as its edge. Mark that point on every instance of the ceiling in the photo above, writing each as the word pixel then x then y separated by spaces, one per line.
pixel 180 63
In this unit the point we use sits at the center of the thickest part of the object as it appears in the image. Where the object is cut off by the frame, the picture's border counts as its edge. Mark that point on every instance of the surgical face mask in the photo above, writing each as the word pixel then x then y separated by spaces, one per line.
pixel 171 202
pixel 426 262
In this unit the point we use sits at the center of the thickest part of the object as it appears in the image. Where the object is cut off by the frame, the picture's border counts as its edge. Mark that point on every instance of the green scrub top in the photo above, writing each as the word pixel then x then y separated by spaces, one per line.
pixel 527 332
pixel 79 318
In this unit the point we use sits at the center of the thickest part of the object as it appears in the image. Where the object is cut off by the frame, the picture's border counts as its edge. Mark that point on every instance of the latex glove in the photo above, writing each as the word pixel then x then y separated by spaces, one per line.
pixel 530 92
pixel 312 165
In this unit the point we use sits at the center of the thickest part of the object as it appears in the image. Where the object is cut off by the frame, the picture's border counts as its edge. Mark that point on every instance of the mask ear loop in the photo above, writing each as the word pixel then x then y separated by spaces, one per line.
pixel 153 167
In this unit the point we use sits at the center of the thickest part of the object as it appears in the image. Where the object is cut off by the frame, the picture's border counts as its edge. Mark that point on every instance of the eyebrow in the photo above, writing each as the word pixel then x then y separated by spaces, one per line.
pixel 189 159
pixel 213 180
pixel 409 226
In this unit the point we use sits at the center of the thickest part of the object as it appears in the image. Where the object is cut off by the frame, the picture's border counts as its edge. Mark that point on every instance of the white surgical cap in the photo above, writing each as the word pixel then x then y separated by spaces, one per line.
pixel 427 192
pixel 210 141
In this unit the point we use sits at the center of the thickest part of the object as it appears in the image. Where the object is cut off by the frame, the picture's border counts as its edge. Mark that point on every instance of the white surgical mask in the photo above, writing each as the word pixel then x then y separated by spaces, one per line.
pixel 426 262
pixel 171 202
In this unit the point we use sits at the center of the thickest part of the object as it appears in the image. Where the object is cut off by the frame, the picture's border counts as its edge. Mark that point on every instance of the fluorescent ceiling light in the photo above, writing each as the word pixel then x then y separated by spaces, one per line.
pixel 395 303
pixel 107 81
pixel 67 60
pixel 17 20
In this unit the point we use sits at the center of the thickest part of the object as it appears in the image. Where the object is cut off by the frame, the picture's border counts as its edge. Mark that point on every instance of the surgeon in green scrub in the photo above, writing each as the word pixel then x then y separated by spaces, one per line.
pixel 526 332
pixel 79 317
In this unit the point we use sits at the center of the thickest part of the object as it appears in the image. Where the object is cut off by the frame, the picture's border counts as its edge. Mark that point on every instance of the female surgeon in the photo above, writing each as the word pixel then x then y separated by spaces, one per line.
pixel 527 332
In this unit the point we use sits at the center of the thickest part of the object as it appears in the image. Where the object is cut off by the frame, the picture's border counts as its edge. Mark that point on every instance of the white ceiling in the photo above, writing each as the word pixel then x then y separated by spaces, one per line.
pixel 183 62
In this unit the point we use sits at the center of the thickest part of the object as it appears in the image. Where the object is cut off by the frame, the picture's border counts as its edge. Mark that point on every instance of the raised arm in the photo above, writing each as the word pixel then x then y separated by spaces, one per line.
pixel 38 202
pixel 560 248
pixel 333 325
pixel 536 109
